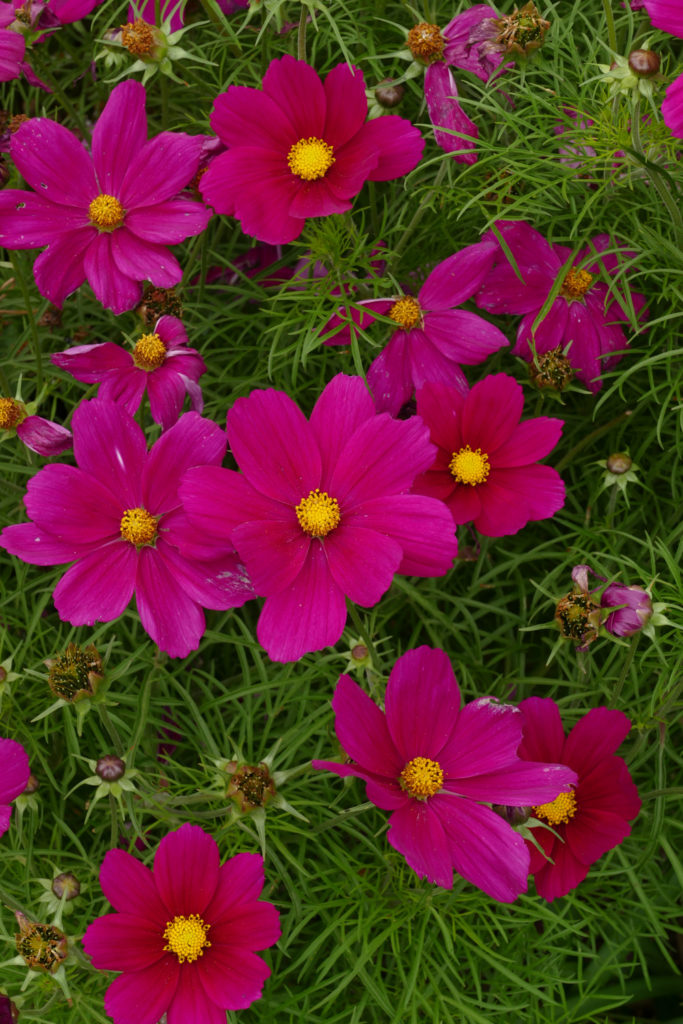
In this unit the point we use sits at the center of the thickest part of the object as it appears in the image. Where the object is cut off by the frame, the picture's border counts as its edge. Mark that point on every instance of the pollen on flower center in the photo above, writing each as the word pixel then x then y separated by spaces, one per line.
pixel 561 810
pixel 406 312
pixel 470 467
pixel 318 514
pixel 11 413
pixel 186 937
pixel 421 777
pixel 425 42
pixel 137 37
pixel 149 352
pixel 576 284
pixel 106 212
pixel 138 526
pixel 310 158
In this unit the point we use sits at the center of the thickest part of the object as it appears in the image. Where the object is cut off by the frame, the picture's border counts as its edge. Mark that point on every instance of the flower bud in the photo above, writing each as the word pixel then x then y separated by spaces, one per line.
pixel 635 613
pixel 110 768
pixel 387 94
pixel 32 786
pixel 42 946
pixel 513 815
pixel 250 785
pixel 644 63
pixel 75 673
pixel 619 463
pixel 66 885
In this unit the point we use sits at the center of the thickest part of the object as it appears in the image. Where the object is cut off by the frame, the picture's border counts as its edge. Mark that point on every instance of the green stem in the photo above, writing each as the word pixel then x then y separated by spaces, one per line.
pixel 111 729
pixel 611 27
pixel 611 505
pixel 417 217
pixel 364 633
pixel 301 34
pixel 114 826
pixel 635 640
pixel 35 338
pixel 659 183
pixel 585 441
pixel 143 710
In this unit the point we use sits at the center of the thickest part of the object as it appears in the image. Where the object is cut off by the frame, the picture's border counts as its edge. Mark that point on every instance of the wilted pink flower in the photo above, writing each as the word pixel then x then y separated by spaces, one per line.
pixel 40 435
pixel 161 363
pixel 301 148
pixel 434 763
pixel 49 14
pixel 14 773
pixel 590 817
pixel 320 511
pixel 116 515
pixel 433 336
pixel 584 313
pixel 632 604
pixel 184 933
pixel 106 217
pixel 486 468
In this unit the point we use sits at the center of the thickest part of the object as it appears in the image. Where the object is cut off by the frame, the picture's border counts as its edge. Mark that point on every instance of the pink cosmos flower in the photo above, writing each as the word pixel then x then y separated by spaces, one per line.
pixel 14 773
pixel 161 363
pixel 320 511
pixel 591 817
pixel 434 763
pixel 584 314
pixel 117 516
pixel 433 336
pixel 50 14
pixel 486 469
pixel 184 933
pixel 301 148
pixel 632 604
pixel 106 217
pixel 40 435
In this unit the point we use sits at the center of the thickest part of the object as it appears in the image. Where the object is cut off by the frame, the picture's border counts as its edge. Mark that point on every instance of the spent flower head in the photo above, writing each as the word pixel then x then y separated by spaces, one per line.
pixel 75 673
pixel 43 947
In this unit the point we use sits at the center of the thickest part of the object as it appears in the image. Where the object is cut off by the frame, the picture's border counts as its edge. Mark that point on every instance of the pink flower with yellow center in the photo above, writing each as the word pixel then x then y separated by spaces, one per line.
pixel 434 763
pixel 107 216
pixel 183 934
pixel 591 816
pixel 300 147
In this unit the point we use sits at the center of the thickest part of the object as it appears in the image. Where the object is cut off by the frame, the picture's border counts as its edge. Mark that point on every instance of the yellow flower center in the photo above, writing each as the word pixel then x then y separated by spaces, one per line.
pixel 138 526
pixel 137 37
pixel 106 212
pixel 421 777
pixel 11 413
pixel 186 937
pixel 470 467
pixel 318 514
pixel 149 352
pixel 425 42
pixel 576 284
pixel 560 811
pixel 406 312
pixel 310 158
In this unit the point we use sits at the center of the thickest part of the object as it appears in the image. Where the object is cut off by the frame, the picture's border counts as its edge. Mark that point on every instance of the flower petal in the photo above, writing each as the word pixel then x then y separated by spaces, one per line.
pixel 513 497
pixel 362 562
pixel 142 997
pixel 28 221
pixel 423 527
pixel 457 278
pixel 110 445
pixel 462 336
pixel 415 830
pixel 218 500
pixel 363 732
pixel 491 412
pixel 231 978
pixel 529 441
pixel 390 375
pixel 37 547
pixel 243 113
pixel 595 736
pixel 543 733
pixel 296 88
pixel 193 441
pixel 44 437
pixel 15 770
pixel 422 679
pixel 123 942
pixel 398 143
pixel 129 886
pixel 526 783
pixel 160 169
pixel 120 133
pixel 273 552
pixel 170 616
pixel 115 290
pixel 60 270
pixel 250 925
pixel 169 222
pixel 445 112
pixel 555 880
pixel 344 404
pixel 54 163
pixel 240 880
pixel 70 505
pixel 485 739
pixel 186 868
pixel 99 587
pixel 144 261
pixel 347 106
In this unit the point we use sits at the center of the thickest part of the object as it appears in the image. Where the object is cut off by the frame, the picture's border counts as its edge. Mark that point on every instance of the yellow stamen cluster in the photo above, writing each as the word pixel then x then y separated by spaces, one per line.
pixel 137 37
pixel 106 212
pixel 11 413
pixel 406 313
pixel 561 810
pixel 318 514
pixel 576 284
pixel 421 777
pixel 425 42
pixel 149 352
pixel 310 158
pixel 470 467
pixel 186 937
pixel 138 526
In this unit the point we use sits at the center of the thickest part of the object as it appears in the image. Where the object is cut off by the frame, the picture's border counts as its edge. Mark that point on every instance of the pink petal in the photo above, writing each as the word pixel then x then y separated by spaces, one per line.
pixel 672 107
pixel 398 144
pixel 462 336
pixel 317 199
pixel 422 526
pixel 347 106
pixel 232 978
pixel 592 833
pixel 555 880
pixel 92 363
pixel 585 351
pixel 543 733
pixel 595 736
pixel 423 677
pixel 160 169
pixel 218 500
pixel 530 441
pixel 363 732
pixel 123 942
pixel 5 810
pixel 70 505
pixel 485 850
pixel 14 770
pixel 60 270
pixel 169 222
pixel 110 445
pixel 220 583
pixel 250 925
pixel 193 441
pixel 464 504
pixel 484 740
pixel 441 95
pixel 29 221
pixel 550 332
pixel 513 497
pixel 309 615
pixel 491 412
pixel 166 390
pixel 167 612
pixel 458 278
pixel 186 870
pixel 428 363
pixel 37 547
pixel 525 783
pixel 242 113
pixel 120 133
pixel 362 562
pixel 54 163
pixel 609 787
pixel 344 404
pixel 99 587
pixel 274 446
pixel 240 880
pixel 142 997
pixel 115 290
pixel 299 93
pixel 129 887
pixel 273 552
pixel 44 437
pixel 440 406
pixel 415 830
pixel 125 387
pixel 144 261
pixel 390 375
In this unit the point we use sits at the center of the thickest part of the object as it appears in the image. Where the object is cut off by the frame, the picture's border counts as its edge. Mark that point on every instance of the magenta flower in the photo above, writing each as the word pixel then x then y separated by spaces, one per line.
pixel 301 148
pixel 12 46
pixel 320 511
pixel 486 469
pixel 40 435
pixel 117 516
pixel 434 764
pixel 14 773
pixel 161 363
pixel 184 933
pixel 591 817
pixel 106 217
pixel 50 14
pixel 454 131
pixel 433 337
pixel 632 604
pixel 584 315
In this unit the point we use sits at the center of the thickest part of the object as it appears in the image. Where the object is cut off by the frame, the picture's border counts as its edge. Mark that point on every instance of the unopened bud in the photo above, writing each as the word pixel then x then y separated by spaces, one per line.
pixel 644 63
pixel 513 815
pixel 389 95
pixel 66 885
pixel 619 463
pixel 32 786
pixel 42 946
pixel 110 768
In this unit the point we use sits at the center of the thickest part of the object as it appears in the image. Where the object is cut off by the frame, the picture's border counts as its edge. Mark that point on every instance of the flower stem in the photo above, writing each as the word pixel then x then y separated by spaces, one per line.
pixel 111 729
pixel 21 280
pixel 611 505
pixel 364 632
pixel 611 27
pixel 635 640
pixel 301 34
